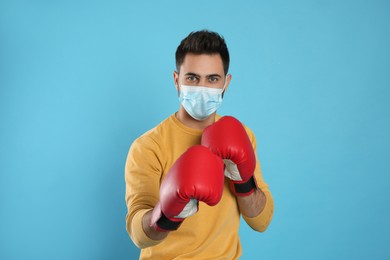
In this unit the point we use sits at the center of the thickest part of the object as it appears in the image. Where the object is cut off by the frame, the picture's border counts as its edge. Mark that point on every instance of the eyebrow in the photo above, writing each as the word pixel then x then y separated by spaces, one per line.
pixel 207 76
pixel 192 74
pixel 213 75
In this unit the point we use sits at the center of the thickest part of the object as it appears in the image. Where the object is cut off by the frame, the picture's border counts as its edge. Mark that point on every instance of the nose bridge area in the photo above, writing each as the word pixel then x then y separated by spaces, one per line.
pixel 204 82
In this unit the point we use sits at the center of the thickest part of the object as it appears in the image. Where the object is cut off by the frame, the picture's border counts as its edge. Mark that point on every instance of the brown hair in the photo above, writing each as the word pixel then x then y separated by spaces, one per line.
pixel 203 42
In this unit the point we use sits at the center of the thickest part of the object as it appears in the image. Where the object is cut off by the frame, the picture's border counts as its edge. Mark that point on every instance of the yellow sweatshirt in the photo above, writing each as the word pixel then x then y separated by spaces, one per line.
pixel 212 233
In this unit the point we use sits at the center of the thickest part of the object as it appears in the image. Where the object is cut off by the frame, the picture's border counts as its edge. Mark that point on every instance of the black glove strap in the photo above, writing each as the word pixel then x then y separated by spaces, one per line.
pixel 245 187
pixel 166 224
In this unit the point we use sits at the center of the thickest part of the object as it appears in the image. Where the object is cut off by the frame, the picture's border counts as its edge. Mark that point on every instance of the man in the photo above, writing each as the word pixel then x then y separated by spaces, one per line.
pixel 180 204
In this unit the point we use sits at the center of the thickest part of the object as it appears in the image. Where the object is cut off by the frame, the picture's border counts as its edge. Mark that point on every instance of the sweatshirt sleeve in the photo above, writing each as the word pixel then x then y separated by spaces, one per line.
pixel 261 222
pixel 142 176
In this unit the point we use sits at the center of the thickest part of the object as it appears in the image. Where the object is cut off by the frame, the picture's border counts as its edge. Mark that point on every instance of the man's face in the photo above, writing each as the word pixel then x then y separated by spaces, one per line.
pixel 202 70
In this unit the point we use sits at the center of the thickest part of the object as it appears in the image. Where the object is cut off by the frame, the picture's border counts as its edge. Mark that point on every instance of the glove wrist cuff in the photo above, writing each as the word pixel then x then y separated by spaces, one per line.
pixel 165 224
pixel 244 189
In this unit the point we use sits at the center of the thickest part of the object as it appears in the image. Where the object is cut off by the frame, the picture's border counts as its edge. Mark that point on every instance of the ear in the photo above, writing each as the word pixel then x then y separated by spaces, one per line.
pixel 228 78
pixel 176 80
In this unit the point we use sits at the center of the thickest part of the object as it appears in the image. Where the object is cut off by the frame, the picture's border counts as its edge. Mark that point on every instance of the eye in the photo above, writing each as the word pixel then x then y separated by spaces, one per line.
pixel 213 79
pixel 192 78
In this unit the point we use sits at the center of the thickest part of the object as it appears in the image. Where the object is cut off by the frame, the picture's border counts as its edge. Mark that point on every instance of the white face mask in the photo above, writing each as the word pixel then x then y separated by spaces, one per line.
pixel 200 102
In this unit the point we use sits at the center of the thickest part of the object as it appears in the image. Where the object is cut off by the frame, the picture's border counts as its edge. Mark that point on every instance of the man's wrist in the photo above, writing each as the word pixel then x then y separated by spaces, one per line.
pixel 245 188
pixel 165 224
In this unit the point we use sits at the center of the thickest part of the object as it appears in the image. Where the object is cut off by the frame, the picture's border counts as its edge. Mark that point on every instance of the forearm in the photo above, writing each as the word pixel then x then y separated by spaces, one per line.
pixel 253 204
pixel 149 230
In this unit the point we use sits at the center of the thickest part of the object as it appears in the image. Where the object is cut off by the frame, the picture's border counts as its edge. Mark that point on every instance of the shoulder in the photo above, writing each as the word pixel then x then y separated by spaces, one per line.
pixel 154 136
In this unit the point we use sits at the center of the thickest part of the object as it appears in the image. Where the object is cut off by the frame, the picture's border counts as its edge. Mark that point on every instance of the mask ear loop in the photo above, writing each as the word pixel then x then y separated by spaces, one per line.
pixel 224 87
pixel 178 86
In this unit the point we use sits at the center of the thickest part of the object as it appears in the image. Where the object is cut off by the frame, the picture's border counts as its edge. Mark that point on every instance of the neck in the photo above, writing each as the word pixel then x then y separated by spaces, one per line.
pixel 188 121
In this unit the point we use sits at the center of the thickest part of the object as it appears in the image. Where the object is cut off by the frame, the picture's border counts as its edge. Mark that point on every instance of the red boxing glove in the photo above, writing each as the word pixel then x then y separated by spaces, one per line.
pixel 228 139
pixel 197 175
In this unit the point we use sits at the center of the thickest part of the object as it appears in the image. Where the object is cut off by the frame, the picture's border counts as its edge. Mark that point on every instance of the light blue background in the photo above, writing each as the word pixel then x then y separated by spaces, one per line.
pixel 80 80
